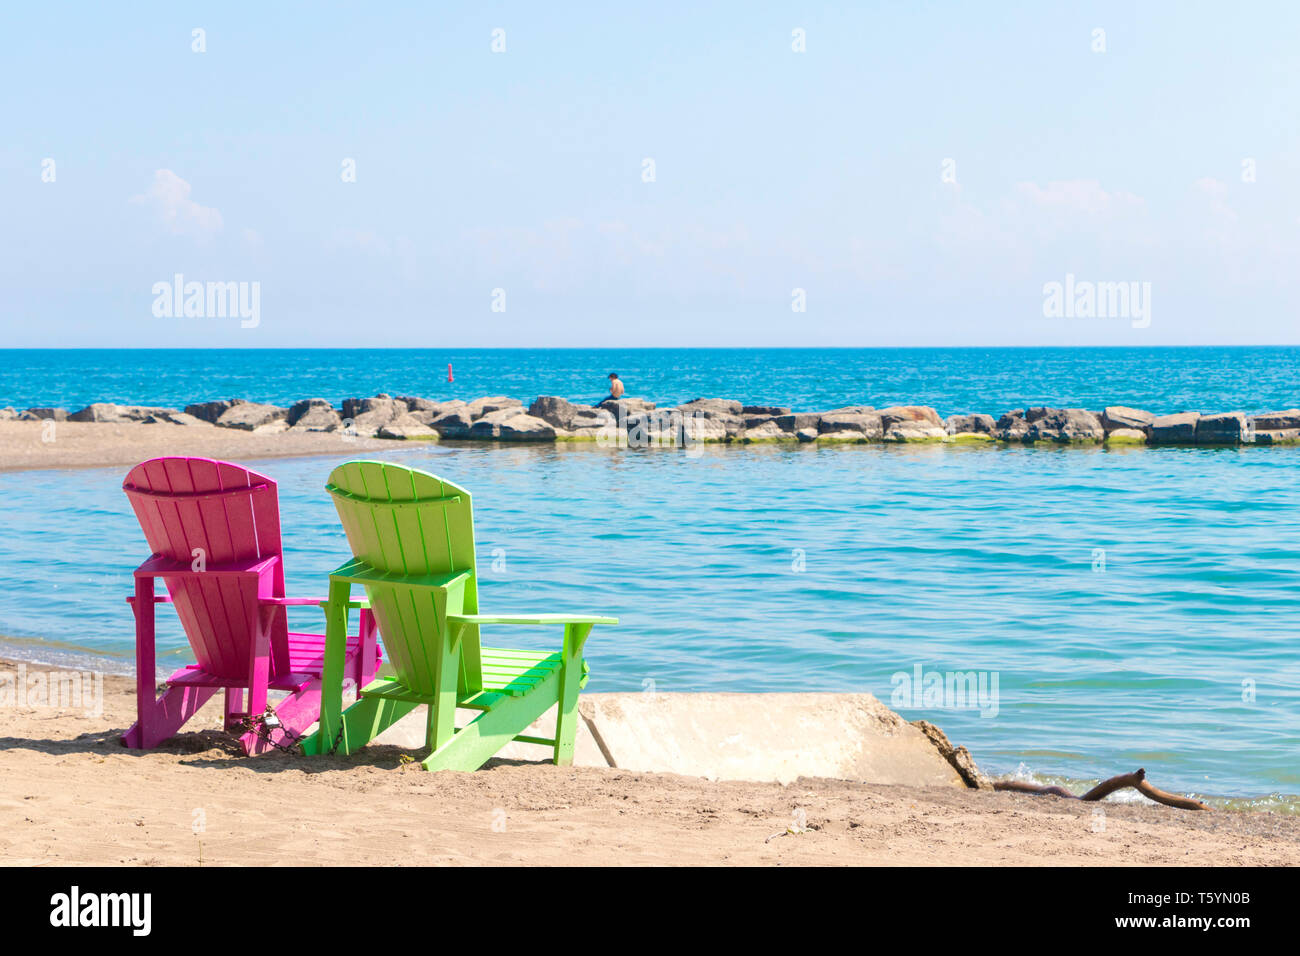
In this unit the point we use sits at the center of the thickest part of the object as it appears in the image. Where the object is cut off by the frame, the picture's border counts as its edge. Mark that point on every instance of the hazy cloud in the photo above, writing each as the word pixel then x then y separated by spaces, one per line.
pixel 169 198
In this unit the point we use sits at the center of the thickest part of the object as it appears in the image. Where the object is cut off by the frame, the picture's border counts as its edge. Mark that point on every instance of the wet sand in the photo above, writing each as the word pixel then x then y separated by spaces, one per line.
pixel 35 445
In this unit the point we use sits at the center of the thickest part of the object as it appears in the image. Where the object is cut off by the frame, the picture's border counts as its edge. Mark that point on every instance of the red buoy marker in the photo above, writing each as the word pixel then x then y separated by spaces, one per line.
pixel 449 378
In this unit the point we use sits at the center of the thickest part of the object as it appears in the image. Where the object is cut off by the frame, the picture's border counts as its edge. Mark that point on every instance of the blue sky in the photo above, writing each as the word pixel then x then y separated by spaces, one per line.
pixel 774 171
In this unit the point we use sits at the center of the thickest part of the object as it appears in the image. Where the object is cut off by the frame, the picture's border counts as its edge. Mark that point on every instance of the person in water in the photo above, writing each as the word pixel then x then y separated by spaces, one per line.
pixel 615 388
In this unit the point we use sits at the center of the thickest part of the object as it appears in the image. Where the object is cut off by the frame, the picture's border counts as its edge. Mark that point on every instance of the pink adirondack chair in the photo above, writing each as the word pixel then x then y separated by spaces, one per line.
pixel 214 530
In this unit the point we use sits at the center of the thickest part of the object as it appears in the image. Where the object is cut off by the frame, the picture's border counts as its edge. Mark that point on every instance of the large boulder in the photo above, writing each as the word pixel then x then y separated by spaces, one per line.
pixel 1278 436
pixel 1228 428
pixel 623 411
pixel 969 424
pixel 772 411
pixel 1126 436
pixel 251 416
pixel 651 428
pixel 1013 426
pixel 1121 416
pixel 489 425
pixel 580 421
pixel 1082 426
pixel 48 414
pixel 768 430
pixel 494 403
pixel 8 414
pixel 1278 421
pixel 909 413
pixel 429 412
pixel 525 427
pixel 512 424
pixel 590 418
pixel 799 421
pixel 915 431
pixel 313 415
pixel 699 429
pixel 711 407
pixel 731 425
pixel 116 414
pixel 867 424
pixel 210 411
pixel 177 418
pixel 564 414
pixel 424 405
pixel 1063 425
pixel 1177 429
pixel 406 427
pixel 381 402
pixel 366 416
pixel 454 423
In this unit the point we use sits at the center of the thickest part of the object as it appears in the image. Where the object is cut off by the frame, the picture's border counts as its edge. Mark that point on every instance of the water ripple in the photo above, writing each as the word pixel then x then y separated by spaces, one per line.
pixel 1136 609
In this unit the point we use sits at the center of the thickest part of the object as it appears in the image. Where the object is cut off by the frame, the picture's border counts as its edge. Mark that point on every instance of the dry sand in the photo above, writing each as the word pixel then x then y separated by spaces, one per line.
pixel 28 445
pixel 70 794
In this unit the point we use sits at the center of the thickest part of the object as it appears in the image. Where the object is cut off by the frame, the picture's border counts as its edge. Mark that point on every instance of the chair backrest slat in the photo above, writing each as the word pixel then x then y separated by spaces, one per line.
pixel 203 512
pixel 405 522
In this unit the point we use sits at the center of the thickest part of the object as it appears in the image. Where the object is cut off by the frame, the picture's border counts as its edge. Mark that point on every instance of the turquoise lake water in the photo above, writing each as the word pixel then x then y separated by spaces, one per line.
pixel 1137 607
pixel 952 380
pixel 804 568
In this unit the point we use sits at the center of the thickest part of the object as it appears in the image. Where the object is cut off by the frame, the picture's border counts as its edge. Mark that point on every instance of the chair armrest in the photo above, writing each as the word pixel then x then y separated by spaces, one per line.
pixel 577 627
pixel 363 603
pixel 529 619
pixel 157 599
pixel 159 567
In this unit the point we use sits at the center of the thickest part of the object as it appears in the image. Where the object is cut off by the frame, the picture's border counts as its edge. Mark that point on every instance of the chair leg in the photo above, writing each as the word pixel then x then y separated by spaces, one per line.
pixel 335 667
pixel 296 713
pixel 367 646
pixel 259 672
pixel 566 713
pixel 162 718
pixel 234 705
pixel 442 710
pixel 157 718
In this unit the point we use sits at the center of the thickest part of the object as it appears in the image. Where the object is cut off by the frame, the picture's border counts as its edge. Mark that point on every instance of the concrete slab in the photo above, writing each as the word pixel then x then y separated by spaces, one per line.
pixel 760 737
pixel 764 737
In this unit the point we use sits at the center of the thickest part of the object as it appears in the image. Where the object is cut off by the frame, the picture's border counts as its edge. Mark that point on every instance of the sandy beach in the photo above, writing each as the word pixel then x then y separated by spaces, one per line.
pixel 27 445
pixel 71 795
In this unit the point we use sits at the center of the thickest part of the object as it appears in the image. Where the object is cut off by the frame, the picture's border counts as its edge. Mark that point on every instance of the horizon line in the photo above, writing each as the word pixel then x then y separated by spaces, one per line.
pixel 608 348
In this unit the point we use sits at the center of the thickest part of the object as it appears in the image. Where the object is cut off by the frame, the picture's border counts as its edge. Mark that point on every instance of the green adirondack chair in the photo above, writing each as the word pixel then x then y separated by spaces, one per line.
pixel 412 538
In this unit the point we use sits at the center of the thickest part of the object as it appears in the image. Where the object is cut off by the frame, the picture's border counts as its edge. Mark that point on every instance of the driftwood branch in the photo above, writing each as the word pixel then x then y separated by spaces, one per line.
pixel 1137 780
